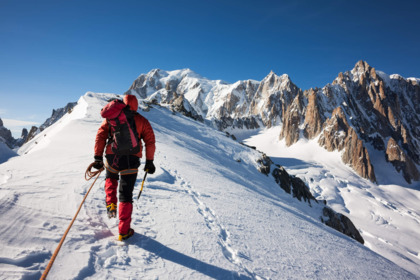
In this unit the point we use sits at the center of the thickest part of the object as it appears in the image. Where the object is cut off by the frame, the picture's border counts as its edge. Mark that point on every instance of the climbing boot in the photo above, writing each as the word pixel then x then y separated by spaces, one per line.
pixel 111 210
pixel 122 237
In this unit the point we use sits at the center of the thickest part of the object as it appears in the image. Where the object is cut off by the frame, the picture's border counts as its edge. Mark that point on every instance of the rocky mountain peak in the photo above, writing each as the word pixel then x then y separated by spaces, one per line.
pixel 274 81
pixel 24 133
pixel 155 73
pixel 361 67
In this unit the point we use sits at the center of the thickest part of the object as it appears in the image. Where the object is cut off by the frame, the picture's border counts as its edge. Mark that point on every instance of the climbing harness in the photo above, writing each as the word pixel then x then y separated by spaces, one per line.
pixel 89 174
pixel 121 172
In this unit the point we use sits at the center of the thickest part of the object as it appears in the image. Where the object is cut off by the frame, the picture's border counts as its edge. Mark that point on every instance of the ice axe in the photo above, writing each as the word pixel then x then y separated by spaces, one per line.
pixel 142 183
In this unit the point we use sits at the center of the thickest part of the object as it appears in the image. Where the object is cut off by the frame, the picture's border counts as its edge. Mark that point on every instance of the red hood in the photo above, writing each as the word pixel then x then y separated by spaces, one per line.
pixel 131 101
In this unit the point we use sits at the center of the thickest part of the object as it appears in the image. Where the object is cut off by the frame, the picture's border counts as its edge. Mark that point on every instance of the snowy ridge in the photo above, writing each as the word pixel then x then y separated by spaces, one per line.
pixel 207 213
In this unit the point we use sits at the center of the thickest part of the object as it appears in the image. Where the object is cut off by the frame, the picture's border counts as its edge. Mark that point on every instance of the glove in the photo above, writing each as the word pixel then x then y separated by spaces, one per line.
pixel 150 167
pixel 99 162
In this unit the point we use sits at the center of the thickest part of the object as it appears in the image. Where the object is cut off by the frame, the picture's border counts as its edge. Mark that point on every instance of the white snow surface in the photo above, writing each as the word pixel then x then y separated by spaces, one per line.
pixel 207 213
pixel 388 216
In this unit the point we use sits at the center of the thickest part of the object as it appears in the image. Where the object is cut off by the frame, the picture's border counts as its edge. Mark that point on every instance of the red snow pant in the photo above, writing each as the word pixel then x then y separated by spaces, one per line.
pixel 116 168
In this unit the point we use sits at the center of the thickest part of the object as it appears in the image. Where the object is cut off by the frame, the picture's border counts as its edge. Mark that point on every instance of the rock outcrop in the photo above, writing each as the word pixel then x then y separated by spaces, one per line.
pixel 401 161
pixel 180 104
pixel 339 135
pixel 291 121
pixel 314 117
pixel 340 223
pixel 292 184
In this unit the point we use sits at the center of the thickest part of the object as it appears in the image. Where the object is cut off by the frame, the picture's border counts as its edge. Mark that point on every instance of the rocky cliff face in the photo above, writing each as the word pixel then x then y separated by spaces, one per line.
pixel 377 110
pixel 361 111
pixel 339 135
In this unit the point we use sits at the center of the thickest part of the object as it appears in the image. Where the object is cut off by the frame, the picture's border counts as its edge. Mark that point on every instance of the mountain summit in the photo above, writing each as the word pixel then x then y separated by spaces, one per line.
pixel 370 117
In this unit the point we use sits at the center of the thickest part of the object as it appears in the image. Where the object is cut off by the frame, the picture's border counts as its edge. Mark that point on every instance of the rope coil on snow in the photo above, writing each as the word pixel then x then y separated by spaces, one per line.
pixel 89 174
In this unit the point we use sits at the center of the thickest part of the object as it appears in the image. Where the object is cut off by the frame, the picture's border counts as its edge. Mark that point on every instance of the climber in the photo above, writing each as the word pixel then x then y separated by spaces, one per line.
pixel 123 165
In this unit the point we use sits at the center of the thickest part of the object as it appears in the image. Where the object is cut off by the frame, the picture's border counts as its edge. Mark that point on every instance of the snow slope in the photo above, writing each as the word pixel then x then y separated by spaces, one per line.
pixel 388 216
pixel 5 152
pixel 207 213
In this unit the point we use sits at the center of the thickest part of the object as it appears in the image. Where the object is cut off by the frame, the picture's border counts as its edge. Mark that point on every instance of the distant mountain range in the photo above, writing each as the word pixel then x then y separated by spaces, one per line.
pixel 371 117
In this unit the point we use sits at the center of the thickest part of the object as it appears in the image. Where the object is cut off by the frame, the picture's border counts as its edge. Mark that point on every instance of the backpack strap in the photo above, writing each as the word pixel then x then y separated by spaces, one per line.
pixel 110 140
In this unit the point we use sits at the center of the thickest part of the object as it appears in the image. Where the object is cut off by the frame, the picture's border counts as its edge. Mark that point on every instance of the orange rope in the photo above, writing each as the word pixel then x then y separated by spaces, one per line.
pixel 89 174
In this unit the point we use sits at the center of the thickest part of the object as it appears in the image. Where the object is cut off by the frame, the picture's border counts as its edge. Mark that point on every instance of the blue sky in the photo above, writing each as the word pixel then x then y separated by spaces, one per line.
pixel 52 52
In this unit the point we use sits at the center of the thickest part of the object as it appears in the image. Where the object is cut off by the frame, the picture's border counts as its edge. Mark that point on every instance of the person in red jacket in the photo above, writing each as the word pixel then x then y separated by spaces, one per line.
pixel 124 167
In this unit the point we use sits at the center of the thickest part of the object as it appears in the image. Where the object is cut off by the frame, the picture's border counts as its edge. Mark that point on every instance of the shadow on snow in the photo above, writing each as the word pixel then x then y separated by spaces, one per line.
pixel 169 254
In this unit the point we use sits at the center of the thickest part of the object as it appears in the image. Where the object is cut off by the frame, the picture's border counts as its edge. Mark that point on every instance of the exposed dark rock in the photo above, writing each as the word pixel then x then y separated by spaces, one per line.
pixel 251 147
pixel 401 162
pixel 339 135
pixel 264 164
pixel 23 137
pixel 341 223
pixel 181 105
pixel 32 133
pixel 230 135
pixel 292 120
pixel 292 184
pixel 313 118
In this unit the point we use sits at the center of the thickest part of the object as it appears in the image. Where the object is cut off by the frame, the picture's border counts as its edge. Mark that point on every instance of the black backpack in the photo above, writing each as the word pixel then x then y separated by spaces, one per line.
pixel 124 138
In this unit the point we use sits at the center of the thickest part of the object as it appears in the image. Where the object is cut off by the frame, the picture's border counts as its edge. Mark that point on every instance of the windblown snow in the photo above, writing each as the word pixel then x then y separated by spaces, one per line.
pixel 207 213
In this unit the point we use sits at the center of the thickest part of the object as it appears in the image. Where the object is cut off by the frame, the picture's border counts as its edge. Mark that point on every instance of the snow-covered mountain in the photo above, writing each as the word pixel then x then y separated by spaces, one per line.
pixel 207 212
pixel 9 143
pixel 55 116
pixel 364 112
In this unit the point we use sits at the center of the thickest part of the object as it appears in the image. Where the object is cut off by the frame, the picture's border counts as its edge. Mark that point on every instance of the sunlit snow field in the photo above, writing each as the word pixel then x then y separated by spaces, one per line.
pixel 207 213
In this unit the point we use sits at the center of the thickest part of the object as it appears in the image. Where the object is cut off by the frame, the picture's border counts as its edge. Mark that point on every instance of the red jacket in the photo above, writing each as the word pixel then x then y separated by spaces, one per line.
pixel 144 129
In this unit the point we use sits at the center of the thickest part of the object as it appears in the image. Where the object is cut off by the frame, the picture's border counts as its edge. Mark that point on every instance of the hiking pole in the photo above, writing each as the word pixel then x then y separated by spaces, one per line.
pixel 142 184
pixel 88 175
